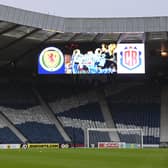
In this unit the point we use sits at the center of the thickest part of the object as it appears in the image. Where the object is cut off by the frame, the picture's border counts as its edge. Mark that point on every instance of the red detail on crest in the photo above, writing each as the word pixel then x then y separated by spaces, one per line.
pixel 130 58
pixel 51 57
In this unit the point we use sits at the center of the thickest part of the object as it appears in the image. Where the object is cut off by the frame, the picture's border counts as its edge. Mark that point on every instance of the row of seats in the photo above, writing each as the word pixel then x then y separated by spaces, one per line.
pixel 6 135
pixel 76 120
pixel 74 101
pixel 136 95
pixel 86 112
pixel 40 133
pixel 34 124
pixel 140 116
pixel 17 96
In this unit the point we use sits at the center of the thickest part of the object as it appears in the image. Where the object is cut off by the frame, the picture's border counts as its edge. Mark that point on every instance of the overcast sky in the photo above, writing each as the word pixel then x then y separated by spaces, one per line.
pixel 94 8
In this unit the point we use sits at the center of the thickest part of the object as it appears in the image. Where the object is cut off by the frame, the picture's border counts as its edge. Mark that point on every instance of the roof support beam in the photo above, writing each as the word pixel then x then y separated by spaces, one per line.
pixel 18 40
pixel 29 50
pixel 96 38
pixel 9 29
pixel 72 39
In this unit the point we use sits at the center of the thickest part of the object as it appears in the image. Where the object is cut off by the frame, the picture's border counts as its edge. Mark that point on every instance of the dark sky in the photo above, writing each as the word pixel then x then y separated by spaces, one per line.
pixel 94 8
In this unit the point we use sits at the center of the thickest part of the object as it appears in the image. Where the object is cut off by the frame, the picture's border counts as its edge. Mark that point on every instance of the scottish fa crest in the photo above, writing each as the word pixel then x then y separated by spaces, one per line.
pixel 131 57
pixel 51 60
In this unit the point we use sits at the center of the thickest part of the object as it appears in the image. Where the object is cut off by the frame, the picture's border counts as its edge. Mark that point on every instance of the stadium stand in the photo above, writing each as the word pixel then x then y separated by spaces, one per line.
pixel 45 107
pixel 77 120
pixel 21 108
pixel 146 115
pixel 130 108
pixel 134 109
pixel 6 135
pixel 34 124
pixel 16 96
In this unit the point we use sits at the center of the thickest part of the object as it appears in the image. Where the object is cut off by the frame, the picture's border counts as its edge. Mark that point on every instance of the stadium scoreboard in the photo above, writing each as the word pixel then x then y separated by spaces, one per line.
pixel 105 58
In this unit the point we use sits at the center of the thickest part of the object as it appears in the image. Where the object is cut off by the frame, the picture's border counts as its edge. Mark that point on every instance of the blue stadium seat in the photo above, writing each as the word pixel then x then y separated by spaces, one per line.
pixel 40 133
pixel 8 137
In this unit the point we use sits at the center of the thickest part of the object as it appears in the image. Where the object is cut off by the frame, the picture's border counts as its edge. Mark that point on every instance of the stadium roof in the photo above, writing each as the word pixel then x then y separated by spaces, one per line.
pixel 21 24
pixel 23 32
pixel 82 25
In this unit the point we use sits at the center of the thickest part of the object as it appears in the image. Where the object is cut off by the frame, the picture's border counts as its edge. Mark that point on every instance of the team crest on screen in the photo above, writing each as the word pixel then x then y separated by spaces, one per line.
pixel 131 57
pixel 51 59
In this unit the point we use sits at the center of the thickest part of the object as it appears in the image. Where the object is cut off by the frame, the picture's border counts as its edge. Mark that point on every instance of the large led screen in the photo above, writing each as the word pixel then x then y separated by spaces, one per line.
pixel 126 58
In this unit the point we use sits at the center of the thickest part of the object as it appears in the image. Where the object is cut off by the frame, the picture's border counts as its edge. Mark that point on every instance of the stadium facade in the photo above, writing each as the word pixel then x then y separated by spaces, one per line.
pixel 64 116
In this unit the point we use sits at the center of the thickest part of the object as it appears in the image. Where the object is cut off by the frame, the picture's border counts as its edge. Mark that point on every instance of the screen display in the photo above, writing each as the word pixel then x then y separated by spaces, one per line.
pixel 130 59
pixel 125 58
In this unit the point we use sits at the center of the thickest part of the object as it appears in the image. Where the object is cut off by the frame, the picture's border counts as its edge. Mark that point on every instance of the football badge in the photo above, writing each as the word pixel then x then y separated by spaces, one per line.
pixel 51 59
pixel 131 57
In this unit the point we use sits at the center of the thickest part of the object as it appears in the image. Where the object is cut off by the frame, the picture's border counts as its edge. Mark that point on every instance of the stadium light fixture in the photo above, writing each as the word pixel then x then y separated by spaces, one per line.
pixel 164 53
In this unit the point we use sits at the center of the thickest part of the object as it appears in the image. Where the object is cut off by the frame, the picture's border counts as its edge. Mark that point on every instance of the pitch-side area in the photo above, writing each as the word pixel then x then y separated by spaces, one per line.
pixel 84 158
